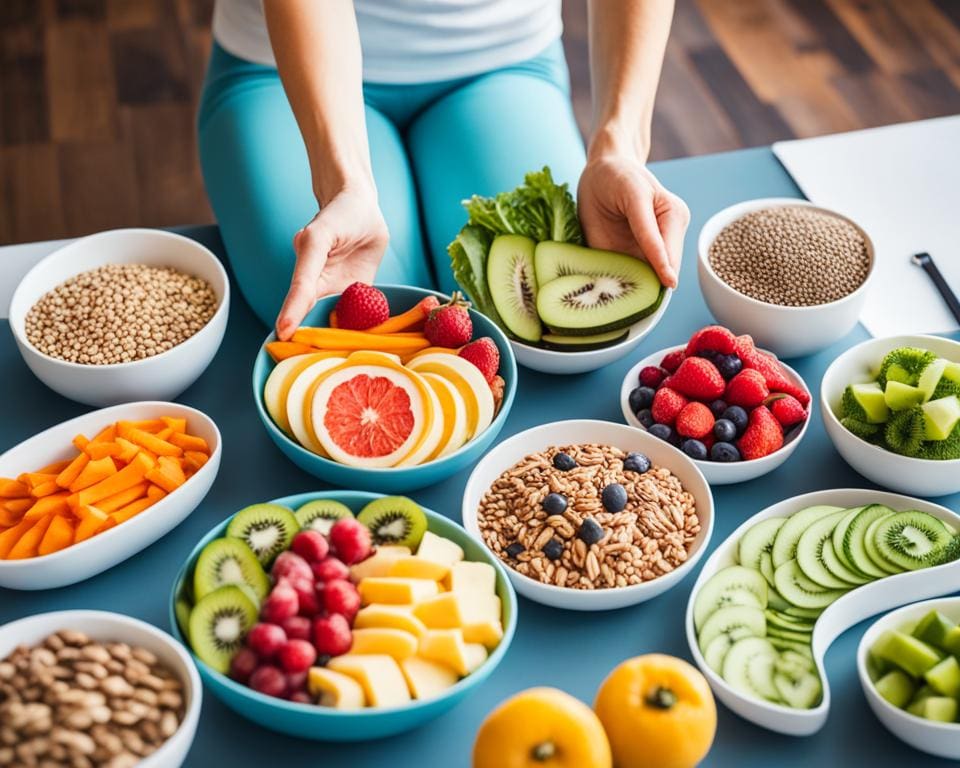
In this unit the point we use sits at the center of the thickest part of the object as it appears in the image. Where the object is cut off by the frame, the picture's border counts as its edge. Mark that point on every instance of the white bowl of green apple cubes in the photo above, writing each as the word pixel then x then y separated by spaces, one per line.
pixel 892 410
pixel 772 598
pixel 566 308
pixel 909 667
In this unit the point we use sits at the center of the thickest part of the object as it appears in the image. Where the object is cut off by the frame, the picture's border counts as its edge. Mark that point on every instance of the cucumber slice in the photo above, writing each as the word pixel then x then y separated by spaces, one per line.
pixel 735 585
pixel 839 569
pixel 785 543
pixel 727 620
pixel 775 599
pixel 757 541
pixel 583 343
pixel 513 285
pixel 804 613
pixel 791 646
pixel 872 549
pixel 852 544
pixel 812 557
pixel 793 664
pixel 786 634
pixel 839 532
pixel 800 591
pixel 801 692
pixel 786 621
pixel 748 667
pixel 716 651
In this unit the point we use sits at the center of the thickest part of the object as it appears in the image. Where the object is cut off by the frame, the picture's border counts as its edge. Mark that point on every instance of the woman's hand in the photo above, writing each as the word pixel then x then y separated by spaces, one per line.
pixel 624 208
pixel 342 244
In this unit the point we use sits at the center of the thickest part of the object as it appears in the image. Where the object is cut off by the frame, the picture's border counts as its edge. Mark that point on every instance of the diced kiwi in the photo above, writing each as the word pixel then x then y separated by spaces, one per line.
pixel 940 417
pixel 934 628
pixel 757 540
pixel 904 364
pixel 951 642
pixel 909 540
pixel 799 590
pixel 218 625
pixel 394 520
pixel 583 343
pixel 913 656
pixel 267 529
pixel 899 396
pixel 748 667
pixel 854 537
pixel 944 677
pixel 785 543
pixel 513 285
pixel 228 561
pixel 817 559
pixel 726 621
pixel 930 378
pixel 321 514
pixel 896 687
pixel 865 402
pixel 735 585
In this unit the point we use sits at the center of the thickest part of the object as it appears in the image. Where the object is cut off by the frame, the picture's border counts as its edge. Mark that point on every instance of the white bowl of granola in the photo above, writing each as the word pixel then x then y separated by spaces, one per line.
pixel 570 538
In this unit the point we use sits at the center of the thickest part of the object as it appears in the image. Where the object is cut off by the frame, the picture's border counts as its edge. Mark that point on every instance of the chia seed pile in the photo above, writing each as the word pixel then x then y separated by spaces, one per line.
pixel 792 256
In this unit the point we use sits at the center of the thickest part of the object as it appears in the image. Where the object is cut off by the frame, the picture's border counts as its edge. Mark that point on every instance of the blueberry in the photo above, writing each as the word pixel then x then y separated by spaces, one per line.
pixel 663 431
pixel 614 497
pixel 553 549
pixel 641 397
pixel 636 462
pixel 724 430
pixel 564 462
pixel 708 354
pixel 555 504
pixel 645 417
pixel 728 365
pixel 515 549
pixel 590 531
pixel 717 407
pixel 737 415
pixel 694 449
pixel 724 452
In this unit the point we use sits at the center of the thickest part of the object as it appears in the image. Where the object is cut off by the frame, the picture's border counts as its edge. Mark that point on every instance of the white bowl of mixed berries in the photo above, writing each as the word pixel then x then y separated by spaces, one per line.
pixel 734 409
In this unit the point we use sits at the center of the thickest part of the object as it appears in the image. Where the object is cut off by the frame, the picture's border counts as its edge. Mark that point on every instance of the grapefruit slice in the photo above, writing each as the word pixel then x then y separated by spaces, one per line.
pixel 468 380
pixel 369 415
pixel 435 424
pixel 278 384
pixel 454 415
pixel 297 401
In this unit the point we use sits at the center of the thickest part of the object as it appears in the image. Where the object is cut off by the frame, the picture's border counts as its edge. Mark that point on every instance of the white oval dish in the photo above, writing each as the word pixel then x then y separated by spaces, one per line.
pixel 161 377
pixel 103 551
pixel 852 608
pixel 940 739
pixel 554 361
pixel 510 451
pixel 114 627
pixel 788 331
pixel 718 472
pixel 922 477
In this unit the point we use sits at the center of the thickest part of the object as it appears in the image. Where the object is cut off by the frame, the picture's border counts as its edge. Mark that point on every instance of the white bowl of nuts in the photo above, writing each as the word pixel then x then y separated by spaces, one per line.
pixel 95 688
pixel 791 274
pixel 128 314
pixel 573 509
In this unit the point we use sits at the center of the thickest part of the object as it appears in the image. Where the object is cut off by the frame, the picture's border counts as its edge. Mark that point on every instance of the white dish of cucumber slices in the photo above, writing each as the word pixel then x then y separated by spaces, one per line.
pixel 772 598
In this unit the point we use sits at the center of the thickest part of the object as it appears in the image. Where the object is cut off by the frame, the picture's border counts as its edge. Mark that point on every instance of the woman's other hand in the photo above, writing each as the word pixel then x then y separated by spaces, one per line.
pixel 342 244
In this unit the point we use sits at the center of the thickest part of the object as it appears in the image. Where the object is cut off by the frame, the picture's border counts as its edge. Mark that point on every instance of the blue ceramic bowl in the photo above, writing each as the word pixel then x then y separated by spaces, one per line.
pixel 320 723
pixel 390 480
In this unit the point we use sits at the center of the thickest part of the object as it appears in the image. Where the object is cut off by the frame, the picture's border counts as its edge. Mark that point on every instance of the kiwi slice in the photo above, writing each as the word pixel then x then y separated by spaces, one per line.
pixel 321 514
pixel 513 285
pixel 788 536
pixel 853 538
pixel 584 305
pixel 748 667
pixel 218 625
pixel 757 540
pixel 911 539
pixel 735 585
pixel 394 521
pixel 583 343
pixel 228 561
pixel 798 590
pixel 267 529
pixel 182 609
pixel 817 559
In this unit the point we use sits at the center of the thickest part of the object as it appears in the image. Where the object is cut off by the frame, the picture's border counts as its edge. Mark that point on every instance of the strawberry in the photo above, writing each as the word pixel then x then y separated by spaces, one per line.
pixel 714 338
pixel 484 354
pixel 667 403
pixel 786 409
pixel 449 325
pixel 651 376
pixel 771 369
pixel 361 306
pixel 747 389
pixel 671 361
pixel 763 435
pixel 698 379
pixel 695 420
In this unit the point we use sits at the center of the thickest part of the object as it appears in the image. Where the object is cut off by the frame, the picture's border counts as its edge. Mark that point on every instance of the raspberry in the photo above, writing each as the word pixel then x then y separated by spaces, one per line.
pixel 351 540
pixel 713 338
pixel 289 565
pixel 309 603
pixel 332 635
pixel 341 597
pixel 695 420
pixel 666 405
pixel 773 372
pixel 330 569
pixel 747 389
pixel 361 306
pixel 266 639
pixel 269 681
pixel 484 354
pixel 296 628
pixel 282 603
pixel 301 697
pixel 296 656
pixel 763 435
pixel 699 379
pixel 243 664
pixel 651 376
pixel 786 409
pixel 312 546
pixel 671 361
pixel 449 325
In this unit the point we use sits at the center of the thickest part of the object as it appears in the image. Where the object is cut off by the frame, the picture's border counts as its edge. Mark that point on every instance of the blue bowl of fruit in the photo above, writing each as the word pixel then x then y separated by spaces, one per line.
pixel 386 388
pixel 342 615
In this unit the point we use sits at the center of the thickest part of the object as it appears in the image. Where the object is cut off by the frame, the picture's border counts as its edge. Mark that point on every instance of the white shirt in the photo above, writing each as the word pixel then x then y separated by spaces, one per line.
pixel 415 41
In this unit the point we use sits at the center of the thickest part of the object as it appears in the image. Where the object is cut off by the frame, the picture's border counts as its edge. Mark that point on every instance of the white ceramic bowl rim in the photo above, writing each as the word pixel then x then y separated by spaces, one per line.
pixel 21 335
pixel 782 202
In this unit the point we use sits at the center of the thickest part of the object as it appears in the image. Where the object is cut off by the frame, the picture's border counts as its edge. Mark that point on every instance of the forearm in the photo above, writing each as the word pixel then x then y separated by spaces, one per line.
pixel 317 49
pixel 628 39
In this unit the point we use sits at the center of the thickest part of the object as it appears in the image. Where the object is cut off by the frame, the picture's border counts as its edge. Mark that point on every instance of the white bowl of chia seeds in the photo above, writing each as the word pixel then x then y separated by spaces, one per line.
pixel 791 274
pixel 122 315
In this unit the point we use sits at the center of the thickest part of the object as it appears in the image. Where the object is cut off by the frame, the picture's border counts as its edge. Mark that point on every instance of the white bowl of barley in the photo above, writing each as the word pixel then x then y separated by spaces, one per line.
pixel 630 542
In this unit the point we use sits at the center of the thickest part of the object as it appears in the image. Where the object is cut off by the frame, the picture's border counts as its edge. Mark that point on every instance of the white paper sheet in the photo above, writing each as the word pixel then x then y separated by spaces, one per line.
pixel 901 183
pixel 16 261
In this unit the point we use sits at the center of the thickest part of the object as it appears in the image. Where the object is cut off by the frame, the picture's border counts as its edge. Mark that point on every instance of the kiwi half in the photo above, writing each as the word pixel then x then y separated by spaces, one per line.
pixel 321 514
pixel 267 529
pixel 229 561
pixel 394 521
pixel 218 625
pixel 513 285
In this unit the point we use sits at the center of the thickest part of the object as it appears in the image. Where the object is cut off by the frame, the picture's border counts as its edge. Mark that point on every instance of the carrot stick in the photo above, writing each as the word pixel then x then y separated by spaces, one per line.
pixel 106 435
pixel 281 350
pixel 92 521
pixel 402 322
pixel 98 450
pixel 168 474
pixel 190 442
pixel 129 450
pixel 11 517
pixel 130 475
pixel 151 442
pixel 18 506
pixel 134 508
pixel 122 498
pixel 95 471
pixel 332 320
pixel 55 504
pixel 337 338
pixel 12 535
pixel 195 459
pixel 69 475
pixel 56 468
pixel 45 489
pixel 13 489
pixel 178 424
pixel 59 535
pixel 155 492
pixel 29 543
pixel 80 442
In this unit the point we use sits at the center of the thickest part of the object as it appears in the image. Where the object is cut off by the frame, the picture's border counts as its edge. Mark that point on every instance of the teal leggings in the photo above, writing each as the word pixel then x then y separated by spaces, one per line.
pixel 431 146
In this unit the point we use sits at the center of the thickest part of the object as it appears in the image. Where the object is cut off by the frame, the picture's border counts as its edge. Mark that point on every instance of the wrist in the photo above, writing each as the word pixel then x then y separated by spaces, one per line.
pixel 620 138
pixel 335 178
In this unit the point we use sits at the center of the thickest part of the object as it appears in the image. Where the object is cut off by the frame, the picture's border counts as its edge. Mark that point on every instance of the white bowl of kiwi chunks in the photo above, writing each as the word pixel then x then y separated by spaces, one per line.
pixel 790 580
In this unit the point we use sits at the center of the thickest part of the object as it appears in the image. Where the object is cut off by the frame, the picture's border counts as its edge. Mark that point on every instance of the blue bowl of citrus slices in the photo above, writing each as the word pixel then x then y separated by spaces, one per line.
pixel 370 419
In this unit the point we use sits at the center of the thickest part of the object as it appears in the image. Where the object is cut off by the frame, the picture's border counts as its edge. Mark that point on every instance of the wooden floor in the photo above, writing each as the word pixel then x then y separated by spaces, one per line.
pixel 97 97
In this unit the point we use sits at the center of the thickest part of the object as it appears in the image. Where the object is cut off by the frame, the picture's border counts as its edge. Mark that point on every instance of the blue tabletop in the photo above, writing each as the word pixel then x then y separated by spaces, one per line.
pixel 572 651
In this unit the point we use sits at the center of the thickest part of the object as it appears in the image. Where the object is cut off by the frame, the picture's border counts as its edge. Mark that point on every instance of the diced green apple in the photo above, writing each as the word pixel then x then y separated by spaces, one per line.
pixel 940 417
pixel 899 396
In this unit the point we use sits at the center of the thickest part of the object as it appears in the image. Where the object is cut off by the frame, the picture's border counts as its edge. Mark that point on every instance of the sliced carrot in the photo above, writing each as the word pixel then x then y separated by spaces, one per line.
pixel 11 517
pixel 95 471
pixel 13 489
pixel 149 441
pixel 18 506
pixel 59 536
pixel 33 479
pixel 338 338
pixel 402 322
pixel 332 321
pixel 54 504
pixel 168 474
pixel 69 475
pixel 147 425
pixel 97 450
pixel 129 450
pixel 164 434
pixel 177 423
pixel 195 459
pixel 281 350
pixel 106 435
pixel 190 443
pixel 130 475
pixel 29 542
pixel 56 468
pixel 80 442
pixel 122 498
pixel 134 508
pixel 155 492
pixel 12 535
pixel 91 522
pixel 45 489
